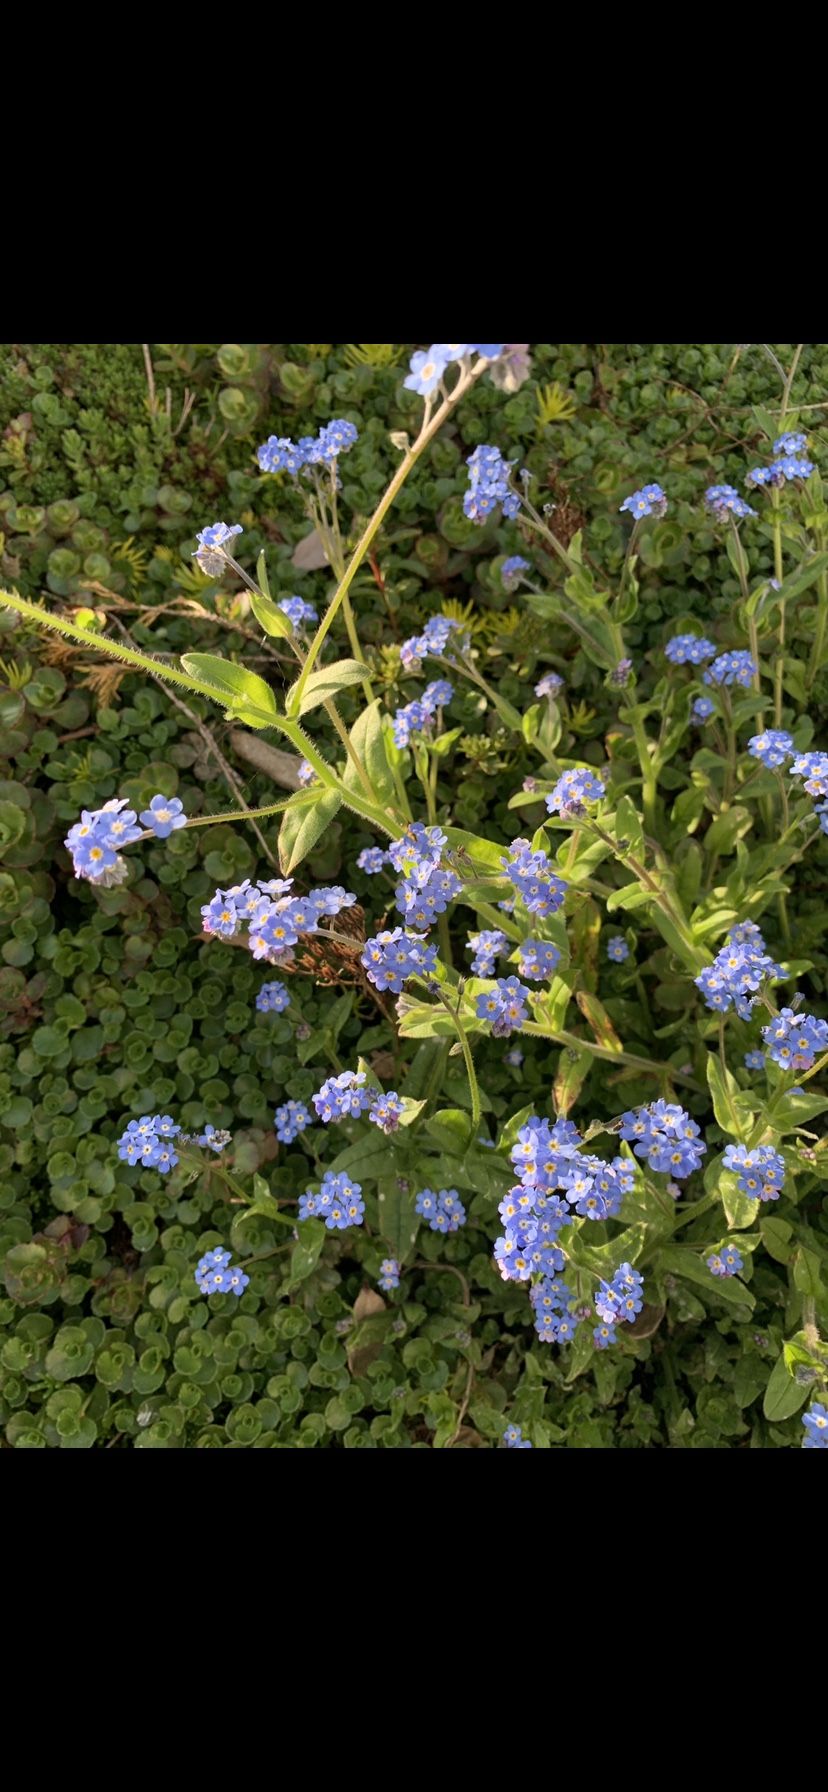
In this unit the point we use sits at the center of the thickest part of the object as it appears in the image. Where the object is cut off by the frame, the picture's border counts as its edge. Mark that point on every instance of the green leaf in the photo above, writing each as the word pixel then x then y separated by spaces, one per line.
pixel 775 1236
pixel 794 1110
pixel 268 615
pixel 323 684
pixel 573 1070
pixel 245 694
pixel 804 576
pixel 398 1221
pixel 628 825
pixel 783 1395
pixel 303 825
pixel 740 1209
pixel 452 1128
pixel 680 1260
pixel 370 1157
pixel 806 1273
pixel 724 1089
pixel 261 576
pixel 368 742
pixel 305 1255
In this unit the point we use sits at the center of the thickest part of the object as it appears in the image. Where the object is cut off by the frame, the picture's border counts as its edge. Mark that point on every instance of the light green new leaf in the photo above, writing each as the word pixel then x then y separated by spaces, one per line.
pixel 324 684
pixel 783 1395
pixel 243 693
pixel 368 742
pixel 303 825
pixel 724 1089
pixel 269 616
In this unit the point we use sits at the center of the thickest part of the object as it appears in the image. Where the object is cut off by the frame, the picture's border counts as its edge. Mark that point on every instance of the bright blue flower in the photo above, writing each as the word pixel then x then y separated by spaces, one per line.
pixel 549 685
pixel 703 709
pixel 442 636
pixel 815 1421
pixel 272 998
pixel 617 949
pixel 726 1262
pixel 442 1208
pixel 391 957
pixel 754 1060
pixel 338 1202
pixel 665 1136
pixel 621 1298
pixel 773 747
pixel 289 1120
pixel 604 1335
pixel 220 916
pixel 504 1007
pixel 489 350
pixel 514 1439
pixel 437 694
pixel 689 650
pixel 486 950
pixel 419 902
pixel 450 351
pixel 297 611
pixel 489 485
pixel 760 1171
pixel 813 769
pixel 790 467
pixel 650 501
pixel 724 500
pixel 372 859
pixel 511 570
pixel 280 455
pixel 794 1040
pixel 163 816
pixel 93 857
pixel 212 549
pixel 386 1111
pixel 573 791
pixel 215 1139
pixel 538 960
pixel 790 443
pixel 215 1274
pixel 389 1276
pixel 738 971
pixel 342 1097
pixel 427 369
pixel 731 668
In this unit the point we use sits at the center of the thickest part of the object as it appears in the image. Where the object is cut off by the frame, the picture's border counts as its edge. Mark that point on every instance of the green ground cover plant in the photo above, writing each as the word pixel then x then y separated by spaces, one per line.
pixel 413 896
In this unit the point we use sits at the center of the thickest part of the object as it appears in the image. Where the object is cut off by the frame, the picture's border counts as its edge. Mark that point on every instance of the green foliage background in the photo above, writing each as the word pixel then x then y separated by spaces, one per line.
pixel 112 1004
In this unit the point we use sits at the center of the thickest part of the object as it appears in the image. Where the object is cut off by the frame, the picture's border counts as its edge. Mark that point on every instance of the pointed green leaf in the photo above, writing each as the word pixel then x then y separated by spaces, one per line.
pixel 783 1395
pixel 269 616
pixel 303 825
pixel 724 1089
pixel 324 684
pixel 368 742
pixel 244 693
pixel 398 1220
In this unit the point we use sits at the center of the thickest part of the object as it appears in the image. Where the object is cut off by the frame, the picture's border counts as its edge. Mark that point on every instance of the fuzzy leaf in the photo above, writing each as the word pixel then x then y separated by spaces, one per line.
pixel 304 824
pixel 324 684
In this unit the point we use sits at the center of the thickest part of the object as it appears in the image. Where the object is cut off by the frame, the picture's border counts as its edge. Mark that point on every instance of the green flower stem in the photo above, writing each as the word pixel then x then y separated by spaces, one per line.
pixel 730 739
pixel 606 1052
pixel 778 571
pixel 474 1089
pixel 431 426
pixel 648 770
pixel 660 897
pixel 499 704
pixel 304 745
pixel 821 625
pixel 497 919
pixel 209 821
pixel 686 1214
pixel 402 795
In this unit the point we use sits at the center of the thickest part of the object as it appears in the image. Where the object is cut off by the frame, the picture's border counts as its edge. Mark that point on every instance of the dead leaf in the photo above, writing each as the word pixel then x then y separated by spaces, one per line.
pixel 310 555
pixel 368 1302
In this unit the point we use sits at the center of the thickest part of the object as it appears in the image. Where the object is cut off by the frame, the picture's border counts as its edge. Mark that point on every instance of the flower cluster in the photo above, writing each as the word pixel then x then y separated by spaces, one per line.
pixel 211 552
pixel 442 636
pixel 689 650
pixel 389 1276
pixel 343 1097
pixel 289 1120
pixel 489 485
pixel 339 1202
pixel 731 668
pixel 815 1421
pixel 650 501
pixel 542 891
pixel 429 364
pixel 272 998
pixel 150 1141
pixel 389 958
pixel 793 1040
pixel 573 791
pixel 724 500
pixel 280 455
pixel 487 947
pixel 551 1299
pixel 511 570
pixel 737 971
pixel 617 949
pixel 215 1274
pixel 791 463
pixel 726 1262
pixel 418 717
pixel 665 1136
pixel 760 1172
pixel 297 611
pixel 549 685
pixel 772 748
pixel 504 1007
pixel 372 859
pixel 514 1439
pixel 387 1110
pixel 538 959
pixel 427 887
pixel 619 1299
pixel 442 1208
pixel 275 919
pixel 95 839
pixel 812 768
pixel 549 1161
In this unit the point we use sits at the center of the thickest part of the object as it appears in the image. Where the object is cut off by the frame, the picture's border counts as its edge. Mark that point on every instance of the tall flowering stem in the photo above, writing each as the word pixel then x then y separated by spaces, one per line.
pixel 431 426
